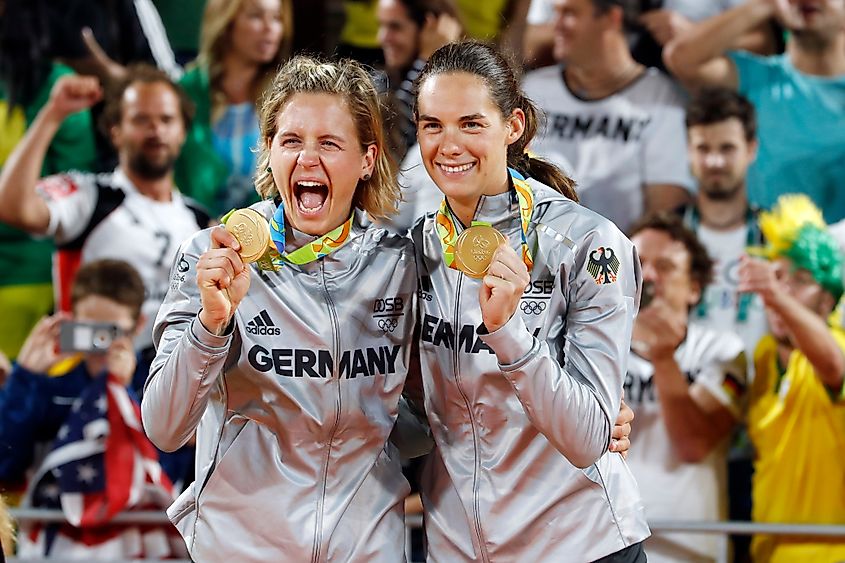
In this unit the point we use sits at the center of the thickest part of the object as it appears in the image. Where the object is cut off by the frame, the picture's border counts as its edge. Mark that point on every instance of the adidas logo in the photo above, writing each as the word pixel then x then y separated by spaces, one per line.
pixel 263 324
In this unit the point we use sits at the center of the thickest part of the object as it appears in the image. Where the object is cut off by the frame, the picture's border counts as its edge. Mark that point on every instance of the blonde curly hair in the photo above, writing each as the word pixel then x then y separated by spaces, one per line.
pixel 379 195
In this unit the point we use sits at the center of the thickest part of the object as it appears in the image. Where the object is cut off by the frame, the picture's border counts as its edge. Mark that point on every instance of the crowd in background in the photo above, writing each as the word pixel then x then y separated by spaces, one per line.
pixel 712 132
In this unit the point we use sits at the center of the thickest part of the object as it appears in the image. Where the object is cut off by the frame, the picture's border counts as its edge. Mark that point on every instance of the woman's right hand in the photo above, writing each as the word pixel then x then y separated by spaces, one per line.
pixel 223 281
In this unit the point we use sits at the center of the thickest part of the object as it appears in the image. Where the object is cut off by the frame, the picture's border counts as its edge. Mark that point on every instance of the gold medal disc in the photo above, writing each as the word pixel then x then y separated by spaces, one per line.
pixel 474 249
pixel 252 231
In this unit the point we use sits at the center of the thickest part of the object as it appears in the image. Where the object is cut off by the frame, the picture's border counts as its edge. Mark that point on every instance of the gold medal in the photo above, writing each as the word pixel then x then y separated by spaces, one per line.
pixel 474 249
pixel 252 231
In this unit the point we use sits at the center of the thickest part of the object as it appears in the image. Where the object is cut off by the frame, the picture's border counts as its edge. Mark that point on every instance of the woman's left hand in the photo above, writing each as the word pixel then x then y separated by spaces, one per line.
pixel 502 287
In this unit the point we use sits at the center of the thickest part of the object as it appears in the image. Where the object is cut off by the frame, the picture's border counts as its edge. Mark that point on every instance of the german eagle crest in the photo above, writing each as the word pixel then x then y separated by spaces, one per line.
pixel 603 265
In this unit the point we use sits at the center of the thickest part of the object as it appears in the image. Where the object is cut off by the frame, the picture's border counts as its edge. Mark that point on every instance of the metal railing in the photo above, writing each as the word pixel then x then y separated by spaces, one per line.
pixel 413 521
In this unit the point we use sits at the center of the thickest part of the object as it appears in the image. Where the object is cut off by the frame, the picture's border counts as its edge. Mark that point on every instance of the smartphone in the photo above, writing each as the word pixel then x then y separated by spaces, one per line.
pixel 89 337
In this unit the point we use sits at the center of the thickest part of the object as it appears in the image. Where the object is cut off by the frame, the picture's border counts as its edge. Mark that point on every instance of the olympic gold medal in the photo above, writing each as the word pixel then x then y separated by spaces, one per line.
pixel 252 231
pixel 474 249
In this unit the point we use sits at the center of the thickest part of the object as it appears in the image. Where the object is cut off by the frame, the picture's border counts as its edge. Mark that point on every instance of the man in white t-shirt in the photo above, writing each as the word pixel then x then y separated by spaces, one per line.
pixel 687 384
pixel 721 134
pixel 613 125
pixel 135 213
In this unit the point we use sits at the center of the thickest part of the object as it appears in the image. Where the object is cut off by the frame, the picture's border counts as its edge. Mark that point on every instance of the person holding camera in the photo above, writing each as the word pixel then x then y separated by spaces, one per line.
pixel 686 383
pixel 61 357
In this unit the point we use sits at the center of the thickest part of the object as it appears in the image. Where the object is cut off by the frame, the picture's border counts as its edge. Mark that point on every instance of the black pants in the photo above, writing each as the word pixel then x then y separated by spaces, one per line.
pixel 631 554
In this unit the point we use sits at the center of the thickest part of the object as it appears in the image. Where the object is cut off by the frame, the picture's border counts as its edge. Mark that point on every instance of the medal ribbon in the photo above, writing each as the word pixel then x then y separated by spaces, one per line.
pixel 322 246
pixel 314 250
pixel 447 229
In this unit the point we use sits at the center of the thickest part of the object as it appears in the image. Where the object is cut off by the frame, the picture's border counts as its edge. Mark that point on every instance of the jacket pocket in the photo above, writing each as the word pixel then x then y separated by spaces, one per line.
pixel 183 514
pixel 232 430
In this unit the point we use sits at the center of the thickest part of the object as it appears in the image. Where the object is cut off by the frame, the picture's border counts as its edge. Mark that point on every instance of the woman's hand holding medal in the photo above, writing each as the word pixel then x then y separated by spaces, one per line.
pixel 223 280
pixel 502 287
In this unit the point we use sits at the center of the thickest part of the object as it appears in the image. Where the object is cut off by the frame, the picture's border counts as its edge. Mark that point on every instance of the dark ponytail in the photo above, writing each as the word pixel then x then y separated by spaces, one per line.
pixel 485 62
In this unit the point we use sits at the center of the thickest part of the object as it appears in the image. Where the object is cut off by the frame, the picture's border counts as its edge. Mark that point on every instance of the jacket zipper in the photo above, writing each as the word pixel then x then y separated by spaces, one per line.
pixel 456 355
pixel 318 535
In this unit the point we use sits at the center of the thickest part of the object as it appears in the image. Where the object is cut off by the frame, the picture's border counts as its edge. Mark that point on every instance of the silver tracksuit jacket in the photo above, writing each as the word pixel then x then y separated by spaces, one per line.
pixel 293 409
pixel 522 416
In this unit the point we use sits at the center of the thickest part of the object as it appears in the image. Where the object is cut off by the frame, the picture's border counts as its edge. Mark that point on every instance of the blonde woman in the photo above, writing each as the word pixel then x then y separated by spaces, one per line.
pixel 242 44
pixel 291 378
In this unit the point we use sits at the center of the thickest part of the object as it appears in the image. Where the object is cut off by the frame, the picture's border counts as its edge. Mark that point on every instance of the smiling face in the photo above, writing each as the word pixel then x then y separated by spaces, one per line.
pixel 256 32
pixel 317 161
pixel 398 34
pixel 463 136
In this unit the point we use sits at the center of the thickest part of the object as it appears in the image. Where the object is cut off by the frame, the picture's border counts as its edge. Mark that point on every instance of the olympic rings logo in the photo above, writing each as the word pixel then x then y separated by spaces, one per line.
pixel 388 324
pixel 532 307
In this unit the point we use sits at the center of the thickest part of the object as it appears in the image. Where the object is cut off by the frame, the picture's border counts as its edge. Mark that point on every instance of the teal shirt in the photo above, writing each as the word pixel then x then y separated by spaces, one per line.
pixel 801 131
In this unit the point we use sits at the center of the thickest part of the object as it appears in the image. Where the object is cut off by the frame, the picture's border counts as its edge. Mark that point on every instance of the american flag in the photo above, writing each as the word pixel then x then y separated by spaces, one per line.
pixel 100 464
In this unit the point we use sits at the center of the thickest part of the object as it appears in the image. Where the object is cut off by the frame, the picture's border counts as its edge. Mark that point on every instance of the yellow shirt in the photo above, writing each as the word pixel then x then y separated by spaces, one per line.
pixel 483 20
pixel 799 434
pixel 361 26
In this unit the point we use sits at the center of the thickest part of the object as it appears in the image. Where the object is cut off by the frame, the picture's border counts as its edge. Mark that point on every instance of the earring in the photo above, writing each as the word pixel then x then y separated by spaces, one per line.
pixel 366 177
pixel 268 170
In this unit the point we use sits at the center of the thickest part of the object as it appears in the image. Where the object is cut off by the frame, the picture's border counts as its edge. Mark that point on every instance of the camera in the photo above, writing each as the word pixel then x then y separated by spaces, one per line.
pixel 91 337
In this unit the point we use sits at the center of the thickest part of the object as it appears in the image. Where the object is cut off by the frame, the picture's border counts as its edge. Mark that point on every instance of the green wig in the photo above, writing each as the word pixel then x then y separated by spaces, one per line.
pixel 794 229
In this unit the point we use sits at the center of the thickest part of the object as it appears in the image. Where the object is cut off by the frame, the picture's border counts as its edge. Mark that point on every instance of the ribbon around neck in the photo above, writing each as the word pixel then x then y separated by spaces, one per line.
pixel 447 226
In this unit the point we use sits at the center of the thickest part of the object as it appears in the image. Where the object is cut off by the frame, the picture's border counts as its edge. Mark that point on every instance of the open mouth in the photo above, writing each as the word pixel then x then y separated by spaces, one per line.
pixel 310 196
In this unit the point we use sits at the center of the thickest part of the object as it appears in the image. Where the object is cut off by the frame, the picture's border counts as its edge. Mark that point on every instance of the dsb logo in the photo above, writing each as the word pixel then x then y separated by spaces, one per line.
pixel 389 305
pixel 540 287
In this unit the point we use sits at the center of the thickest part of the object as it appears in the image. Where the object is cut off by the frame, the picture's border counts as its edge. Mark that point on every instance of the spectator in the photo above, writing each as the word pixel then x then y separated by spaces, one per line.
pixel 134 213
pixel 426 25
pixel 686 383
pixel 242 43
pixel 27 74
pixel 799 96
pixel 36 400
pixel 615 126
pixel 100 463
pixel 661 21
pixel 796 415
pixel 409 32
pixel 722 141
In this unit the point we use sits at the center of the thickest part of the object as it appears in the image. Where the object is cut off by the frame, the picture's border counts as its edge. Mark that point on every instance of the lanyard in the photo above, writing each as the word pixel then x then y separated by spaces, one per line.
pixel 447 229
